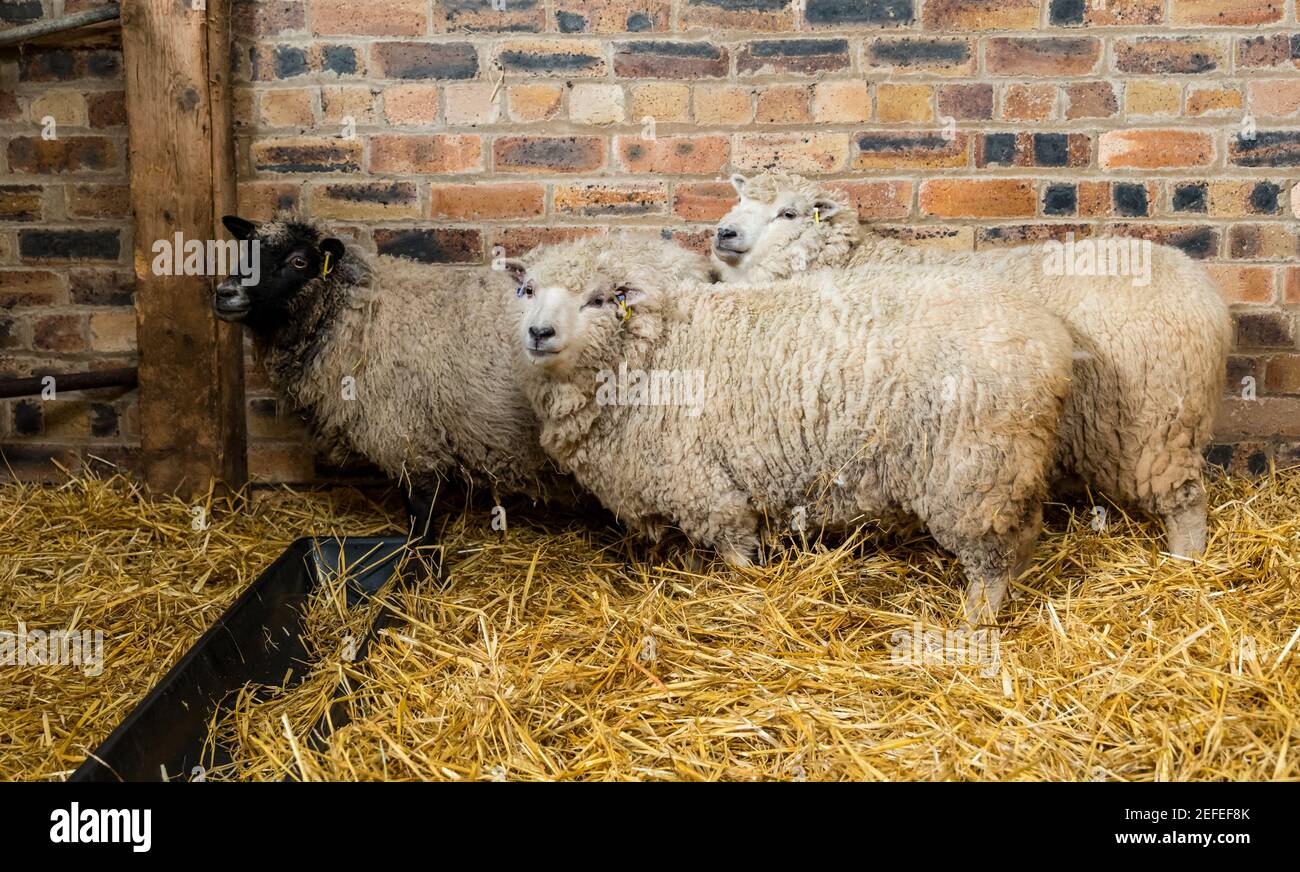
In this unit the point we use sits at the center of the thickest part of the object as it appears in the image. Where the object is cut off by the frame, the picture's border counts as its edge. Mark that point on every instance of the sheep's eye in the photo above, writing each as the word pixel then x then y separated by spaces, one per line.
pixel 789 214
pixel 298 262
pixel 596 302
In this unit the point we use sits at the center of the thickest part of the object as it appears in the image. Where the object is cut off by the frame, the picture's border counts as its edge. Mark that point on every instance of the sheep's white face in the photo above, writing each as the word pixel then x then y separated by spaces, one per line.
pixel 754 226
pixel 559 318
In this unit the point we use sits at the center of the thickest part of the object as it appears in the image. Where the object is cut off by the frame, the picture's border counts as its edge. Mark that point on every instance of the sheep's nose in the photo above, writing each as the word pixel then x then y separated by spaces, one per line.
pixel 229 288
pixel 540 333
pixel 727 232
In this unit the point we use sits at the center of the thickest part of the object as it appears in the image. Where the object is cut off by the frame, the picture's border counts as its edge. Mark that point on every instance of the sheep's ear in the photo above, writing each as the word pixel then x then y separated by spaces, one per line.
pixel 826 208
pixel 331 250
pixel 515 268
pixel 738 182
pixel 238 227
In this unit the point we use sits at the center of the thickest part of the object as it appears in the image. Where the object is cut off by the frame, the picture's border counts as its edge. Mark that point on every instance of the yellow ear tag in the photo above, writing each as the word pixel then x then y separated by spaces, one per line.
pixel 623 306
pixel 817 216
pixel 325 267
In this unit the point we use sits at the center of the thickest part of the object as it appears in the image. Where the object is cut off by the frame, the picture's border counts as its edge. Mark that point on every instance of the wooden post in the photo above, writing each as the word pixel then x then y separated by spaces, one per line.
pixel 178 103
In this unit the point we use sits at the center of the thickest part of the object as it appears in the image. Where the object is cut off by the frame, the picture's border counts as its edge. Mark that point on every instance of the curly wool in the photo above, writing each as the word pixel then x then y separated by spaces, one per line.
pixel 842 396
pixel 1151 360
pixel 409 366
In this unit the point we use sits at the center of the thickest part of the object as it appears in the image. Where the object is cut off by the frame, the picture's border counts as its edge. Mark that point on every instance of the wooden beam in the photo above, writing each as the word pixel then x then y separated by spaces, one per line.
pixel 176 60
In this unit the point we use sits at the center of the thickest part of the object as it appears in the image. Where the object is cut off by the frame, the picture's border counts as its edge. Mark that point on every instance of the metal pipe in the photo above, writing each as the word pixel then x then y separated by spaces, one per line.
pixel 57 25
pixel 126 377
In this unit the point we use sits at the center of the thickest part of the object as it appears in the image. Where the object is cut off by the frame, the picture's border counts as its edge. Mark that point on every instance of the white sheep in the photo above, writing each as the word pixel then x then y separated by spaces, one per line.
pixel 1151 333
pixel 405 365
pixel 824 401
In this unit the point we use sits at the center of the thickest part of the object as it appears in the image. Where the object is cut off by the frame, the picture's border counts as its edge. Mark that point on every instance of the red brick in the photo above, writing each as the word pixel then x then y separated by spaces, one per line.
pixel 1154 149
pixel 63 333
pixel 1283 374
pixel 1243 284
pixel 673 155
pixel 1090 100
pixel 307 155
pixel 371 18
pixel 397 153
pixel 535 102
pixel 516 241
pixel 1276 98
pixel 106 109
pixel 971 102
pixel 99 201
pixel 1029 102
pixel 411 105
pixel 613 16
pixel 784 104
pixel 371 200
pixel 611 200
pixel 795 152
pixel 703 201
pixel 21 202
pixel 1054 56
pixel 978 198
pixel 1225 13
pixel 980 14
pixel 878 201
pixel 486 202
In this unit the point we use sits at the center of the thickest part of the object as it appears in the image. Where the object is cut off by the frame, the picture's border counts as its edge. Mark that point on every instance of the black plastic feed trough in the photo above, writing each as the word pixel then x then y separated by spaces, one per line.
pixel 258 640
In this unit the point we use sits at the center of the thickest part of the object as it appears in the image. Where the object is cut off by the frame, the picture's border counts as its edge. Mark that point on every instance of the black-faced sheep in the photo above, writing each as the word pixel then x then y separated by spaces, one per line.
pixel 1151 339
pixel 405 365
pixel 830 399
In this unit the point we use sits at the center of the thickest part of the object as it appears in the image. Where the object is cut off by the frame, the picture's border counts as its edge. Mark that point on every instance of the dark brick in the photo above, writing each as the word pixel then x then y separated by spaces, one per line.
pixel 483 16
pixel 290 61
pixel 1263 198
pixel 1190 197
pixel 1052 56
pixel 1269 148
pixel 1274 50
pixel 440 245
pixel 70 154
pixel 20 11
pixel 1220 455
pixel 1197 241
pixel 550 62
pixel 100 287
pixel 1051 149
pixel 263 18
pixel 1264 330
pixel 1130 199
pixel 37 64
pixel 639 22
pixel 1000 148
pixel 917 52
pixel 966 102
pixel 1064 13
pixel 1060 200
pixel 103 420
pixel 845 13
pixel 671 60
pixel 556 153
pixel 69 244
pixel 106 109
pixel 339 59
pixel 327 156
pixel 793 56
pixel 423 60
pixel 570 22
pixel 28 418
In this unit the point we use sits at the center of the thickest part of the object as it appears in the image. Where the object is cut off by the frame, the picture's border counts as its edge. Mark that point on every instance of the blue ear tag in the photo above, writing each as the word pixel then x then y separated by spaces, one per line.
pixel 519 291
pixel 623 307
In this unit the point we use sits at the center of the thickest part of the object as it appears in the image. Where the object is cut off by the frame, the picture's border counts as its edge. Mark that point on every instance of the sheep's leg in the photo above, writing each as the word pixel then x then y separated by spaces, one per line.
pixel 421 498
pixel 992 563
pixel 1184 514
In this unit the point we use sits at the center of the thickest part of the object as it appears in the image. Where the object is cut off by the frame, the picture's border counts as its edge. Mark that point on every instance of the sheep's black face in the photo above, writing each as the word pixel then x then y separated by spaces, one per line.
pixel 288 260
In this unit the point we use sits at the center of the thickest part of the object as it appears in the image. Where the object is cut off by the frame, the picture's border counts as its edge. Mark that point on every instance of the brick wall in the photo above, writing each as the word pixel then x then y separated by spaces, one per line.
pixel 441 130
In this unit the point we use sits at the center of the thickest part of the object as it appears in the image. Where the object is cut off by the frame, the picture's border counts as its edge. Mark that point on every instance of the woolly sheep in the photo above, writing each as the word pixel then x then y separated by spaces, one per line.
pixel 825 400
pixel 1150 360
pixel 405 365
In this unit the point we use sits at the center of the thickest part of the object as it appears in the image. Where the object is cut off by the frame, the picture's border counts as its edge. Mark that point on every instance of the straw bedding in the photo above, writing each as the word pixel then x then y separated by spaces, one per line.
pixel 561 650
